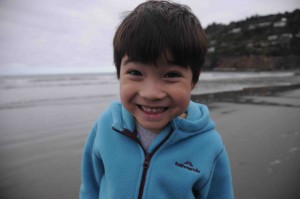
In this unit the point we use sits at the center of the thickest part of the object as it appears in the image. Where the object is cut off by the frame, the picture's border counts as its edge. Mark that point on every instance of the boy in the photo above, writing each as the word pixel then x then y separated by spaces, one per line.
pixel 156 143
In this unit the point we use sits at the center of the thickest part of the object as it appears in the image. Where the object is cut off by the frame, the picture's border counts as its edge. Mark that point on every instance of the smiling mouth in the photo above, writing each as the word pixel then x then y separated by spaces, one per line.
pixel 152 110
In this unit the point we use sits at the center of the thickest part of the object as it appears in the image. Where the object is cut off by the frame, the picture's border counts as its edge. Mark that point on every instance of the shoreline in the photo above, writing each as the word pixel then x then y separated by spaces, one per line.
pixel 233 96
pixel 295 71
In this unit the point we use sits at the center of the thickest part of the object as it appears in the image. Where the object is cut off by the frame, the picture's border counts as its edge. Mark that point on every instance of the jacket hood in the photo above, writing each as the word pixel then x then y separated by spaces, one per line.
pixel 198 120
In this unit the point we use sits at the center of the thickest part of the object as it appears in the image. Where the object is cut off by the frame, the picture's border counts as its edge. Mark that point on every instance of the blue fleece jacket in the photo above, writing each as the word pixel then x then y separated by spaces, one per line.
pixel 186 160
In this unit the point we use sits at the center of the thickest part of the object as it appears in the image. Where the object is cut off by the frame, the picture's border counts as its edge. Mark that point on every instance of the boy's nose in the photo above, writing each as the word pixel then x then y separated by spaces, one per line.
pixel 152 91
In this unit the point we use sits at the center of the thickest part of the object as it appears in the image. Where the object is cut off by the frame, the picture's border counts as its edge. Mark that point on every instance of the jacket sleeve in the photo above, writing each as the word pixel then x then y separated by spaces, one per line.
pixel 219 185
pixel 92 169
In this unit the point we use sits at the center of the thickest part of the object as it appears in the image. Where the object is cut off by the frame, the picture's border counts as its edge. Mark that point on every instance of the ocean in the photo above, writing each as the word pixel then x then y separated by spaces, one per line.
pixel 41 90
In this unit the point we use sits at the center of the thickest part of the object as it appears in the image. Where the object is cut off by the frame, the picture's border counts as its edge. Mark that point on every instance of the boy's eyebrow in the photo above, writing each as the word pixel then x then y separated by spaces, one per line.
pixel 169 62
pixel 128 61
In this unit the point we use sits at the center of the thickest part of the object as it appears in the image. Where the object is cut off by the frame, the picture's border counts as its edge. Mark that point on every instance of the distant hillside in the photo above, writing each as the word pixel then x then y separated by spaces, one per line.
pixel 258 43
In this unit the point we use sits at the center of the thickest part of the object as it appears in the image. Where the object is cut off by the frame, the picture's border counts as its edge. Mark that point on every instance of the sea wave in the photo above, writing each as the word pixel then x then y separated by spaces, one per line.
pixel 28 91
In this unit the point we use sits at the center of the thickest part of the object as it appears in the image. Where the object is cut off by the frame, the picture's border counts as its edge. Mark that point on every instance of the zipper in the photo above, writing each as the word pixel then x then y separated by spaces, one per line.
pixel 145 170
pixel 148 156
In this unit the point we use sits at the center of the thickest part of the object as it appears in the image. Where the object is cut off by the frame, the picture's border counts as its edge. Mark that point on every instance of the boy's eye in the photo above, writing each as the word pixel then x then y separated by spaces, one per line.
pixel 134 73
pixel 172 75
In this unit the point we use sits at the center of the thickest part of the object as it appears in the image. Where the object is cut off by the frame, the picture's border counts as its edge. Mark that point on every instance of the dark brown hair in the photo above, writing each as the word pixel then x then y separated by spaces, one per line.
pixel 155 27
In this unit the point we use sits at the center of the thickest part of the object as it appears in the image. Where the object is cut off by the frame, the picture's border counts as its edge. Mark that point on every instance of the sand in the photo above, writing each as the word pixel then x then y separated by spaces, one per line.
pixel 262 135
pixel 41 145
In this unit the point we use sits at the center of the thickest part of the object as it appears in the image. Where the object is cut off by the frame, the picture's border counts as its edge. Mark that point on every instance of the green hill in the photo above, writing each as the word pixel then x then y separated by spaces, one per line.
pixel 258 43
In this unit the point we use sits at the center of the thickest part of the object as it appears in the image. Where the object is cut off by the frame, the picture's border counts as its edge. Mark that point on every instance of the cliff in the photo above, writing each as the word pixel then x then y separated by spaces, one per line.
pixel 269 42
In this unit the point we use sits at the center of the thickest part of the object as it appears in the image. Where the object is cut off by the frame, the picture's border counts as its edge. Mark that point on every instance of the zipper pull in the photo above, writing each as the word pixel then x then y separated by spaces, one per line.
pixel 147 161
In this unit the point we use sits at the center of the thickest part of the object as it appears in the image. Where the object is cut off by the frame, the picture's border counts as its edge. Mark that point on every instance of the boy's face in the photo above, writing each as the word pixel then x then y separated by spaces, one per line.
pixel 154 94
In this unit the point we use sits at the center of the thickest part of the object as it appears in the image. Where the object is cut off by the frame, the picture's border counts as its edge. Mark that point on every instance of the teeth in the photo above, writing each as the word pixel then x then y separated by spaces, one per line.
pixel 152 109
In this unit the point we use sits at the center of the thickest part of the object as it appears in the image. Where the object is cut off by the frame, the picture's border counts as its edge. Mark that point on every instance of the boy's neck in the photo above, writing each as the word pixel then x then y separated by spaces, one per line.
pixel 145 136
pixel 183 115
pixel 140 128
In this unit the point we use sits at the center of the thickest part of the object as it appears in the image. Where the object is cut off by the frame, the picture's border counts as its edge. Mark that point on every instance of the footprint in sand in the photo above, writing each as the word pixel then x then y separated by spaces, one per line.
pixel 275 162
pixel 292 150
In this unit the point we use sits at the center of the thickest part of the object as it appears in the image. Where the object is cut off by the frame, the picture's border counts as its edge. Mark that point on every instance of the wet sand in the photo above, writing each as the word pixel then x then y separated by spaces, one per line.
pixel 262 135
pixel 40 146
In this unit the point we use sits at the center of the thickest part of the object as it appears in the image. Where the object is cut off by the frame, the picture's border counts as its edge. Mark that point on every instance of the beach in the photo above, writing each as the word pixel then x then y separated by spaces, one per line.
pixel 262 136
pixel 44 121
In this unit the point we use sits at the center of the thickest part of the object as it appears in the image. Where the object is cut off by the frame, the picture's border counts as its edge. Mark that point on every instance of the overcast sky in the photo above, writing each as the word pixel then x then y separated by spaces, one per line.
pixel 50 36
